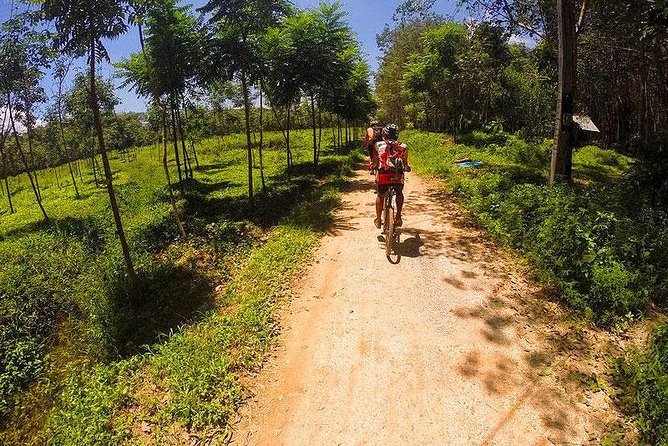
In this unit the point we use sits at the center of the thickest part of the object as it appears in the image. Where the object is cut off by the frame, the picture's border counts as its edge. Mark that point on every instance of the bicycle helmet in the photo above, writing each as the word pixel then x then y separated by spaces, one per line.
pixel 391 132
pixel 374 124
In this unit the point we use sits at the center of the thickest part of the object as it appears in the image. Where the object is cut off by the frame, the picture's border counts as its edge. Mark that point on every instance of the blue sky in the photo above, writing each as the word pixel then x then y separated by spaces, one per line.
pixel 366 17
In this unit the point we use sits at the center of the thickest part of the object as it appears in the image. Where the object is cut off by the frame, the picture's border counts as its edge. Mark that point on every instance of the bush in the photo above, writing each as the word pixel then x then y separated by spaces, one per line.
pixel 602 245
pixel 35 293
pixel 483 139
pixel 644 378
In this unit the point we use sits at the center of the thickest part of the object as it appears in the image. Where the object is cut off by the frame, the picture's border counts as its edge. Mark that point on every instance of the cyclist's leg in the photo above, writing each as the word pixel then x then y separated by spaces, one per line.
pixel 400 204
pixel 380 195
pixel 379 206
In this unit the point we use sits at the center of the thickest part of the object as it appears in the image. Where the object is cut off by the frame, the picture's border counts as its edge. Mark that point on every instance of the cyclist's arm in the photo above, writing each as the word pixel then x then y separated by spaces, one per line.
pixel 408 166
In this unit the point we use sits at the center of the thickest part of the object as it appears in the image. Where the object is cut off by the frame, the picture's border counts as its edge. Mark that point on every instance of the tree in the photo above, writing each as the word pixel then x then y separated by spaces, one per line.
pixel 4 132
pixel 562 153
pixel 149 75
pixel 171 42
pixel 80 27
pixel 539 18
pixel 397 46
pixel 79 113
pixel 239 26
pixel 414 10
pixel 25 54
pixel 62 68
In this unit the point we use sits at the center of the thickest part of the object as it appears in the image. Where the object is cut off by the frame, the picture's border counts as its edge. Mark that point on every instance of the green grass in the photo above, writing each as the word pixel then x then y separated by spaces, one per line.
pixel 170 350
pixel 598 242
pixel 643 376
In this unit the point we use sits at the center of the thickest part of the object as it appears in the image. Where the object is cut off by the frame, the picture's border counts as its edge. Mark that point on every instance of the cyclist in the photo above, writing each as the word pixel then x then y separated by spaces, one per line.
pixel 372 136
pixel 389 159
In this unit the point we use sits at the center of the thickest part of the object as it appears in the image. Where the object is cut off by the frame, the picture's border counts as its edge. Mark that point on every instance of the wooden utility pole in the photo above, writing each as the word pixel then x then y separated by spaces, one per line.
pixel 562 153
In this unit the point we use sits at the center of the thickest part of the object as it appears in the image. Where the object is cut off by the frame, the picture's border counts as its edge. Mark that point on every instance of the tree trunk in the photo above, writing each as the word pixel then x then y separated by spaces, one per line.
pixel 57 175
pixel 5 170
pixel 24 159
pixel 273 109
pixel 190 136
pixel 186 157
pixel 176 148
pixel 172 201
pixel 315 144
pixel 339 133
pixel 260 148
pixel 93 168
pixel 62 138
pixel 319 129
pixel 9 195
pixel 287 132
pixel 31 152
pixel 249 144
pixel 562 154
pixel 165 131
pixel 97 122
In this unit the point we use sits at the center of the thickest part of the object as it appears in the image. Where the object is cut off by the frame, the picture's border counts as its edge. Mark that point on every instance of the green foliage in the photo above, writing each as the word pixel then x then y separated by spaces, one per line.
pixel 644 378
pixel 90 399
pixel 600 248
pixel 65 305
pixel 446 76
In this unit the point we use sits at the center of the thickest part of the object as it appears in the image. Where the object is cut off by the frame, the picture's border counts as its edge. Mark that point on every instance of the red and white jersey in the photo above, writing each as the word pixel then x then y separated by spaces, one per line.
pixel 386 158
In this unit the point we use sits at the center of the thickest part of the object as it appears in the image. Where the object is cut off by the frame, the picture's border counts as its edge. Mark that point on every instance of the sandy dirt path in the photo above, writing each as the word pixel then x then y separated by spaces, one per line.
pixel 449 347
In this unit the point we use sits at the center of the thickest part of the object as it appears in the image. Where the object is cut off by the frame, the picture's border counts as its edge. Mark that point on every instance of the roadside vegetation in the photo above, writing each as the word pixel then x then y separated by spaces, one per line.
pixel 143 253
pixel 163 358
pixel 599 241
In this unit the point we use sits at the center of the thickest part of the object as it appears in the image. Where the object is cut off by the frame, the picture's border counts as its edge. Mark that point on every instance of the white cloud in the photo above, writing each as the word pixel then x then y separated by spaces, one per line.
pixel 20 128
pixel 524 40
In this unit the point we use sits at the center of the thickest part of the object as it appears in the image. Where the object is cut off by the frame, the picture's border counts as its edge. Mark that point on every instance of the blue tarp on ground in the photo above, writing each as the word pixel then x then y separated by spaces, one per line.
pixel 469 164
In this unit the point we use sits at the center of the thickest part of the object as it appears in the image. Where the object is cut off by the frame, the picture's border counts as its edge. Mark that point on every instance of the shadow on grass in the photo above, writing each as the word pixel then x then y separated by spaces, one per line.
pixel 166 296
pixel 296 186
pixel 597 174
pixel 89 231
pixel 170 294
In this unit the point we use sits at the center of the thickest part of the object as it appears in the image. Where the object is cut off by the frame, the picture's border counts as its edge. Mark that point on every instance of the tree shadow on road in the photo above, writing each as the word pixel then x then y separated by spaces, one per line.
pixel 560 355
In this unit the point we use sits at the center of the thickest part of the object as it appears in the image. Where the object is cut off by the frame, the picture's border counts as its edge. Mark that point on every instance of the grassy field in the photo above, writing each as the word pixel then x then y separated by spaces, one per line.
pixel 86 359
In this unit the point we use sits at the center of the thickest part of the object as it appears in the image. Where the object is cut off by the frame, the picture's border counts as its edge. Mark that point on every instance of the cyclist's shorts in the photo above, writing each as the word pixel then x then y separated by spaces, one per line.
pixel 386 177
pixel 382 188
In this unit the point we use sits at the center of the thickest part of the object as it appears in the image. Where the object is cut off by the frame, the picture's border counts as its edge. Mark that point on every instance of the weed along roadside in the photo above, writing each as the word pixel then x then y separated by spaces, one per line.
pixel 598 245
pixel 105 364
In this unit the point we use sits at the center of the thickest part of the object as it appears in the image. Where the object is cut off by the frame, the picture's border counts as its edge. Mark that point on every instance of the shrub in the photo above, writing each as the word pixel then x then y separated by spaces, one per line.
pixel 602 245
pixel 644 378
pixel 483 139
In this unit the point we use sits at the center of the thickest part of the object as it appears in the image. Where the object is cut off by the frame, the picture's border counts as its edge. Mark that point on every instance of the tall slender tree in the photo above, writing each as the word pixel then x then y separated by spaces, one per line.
pixel 24 55
pixel 4 132
pixel 245 22
pixel 81 26
pixel 62 68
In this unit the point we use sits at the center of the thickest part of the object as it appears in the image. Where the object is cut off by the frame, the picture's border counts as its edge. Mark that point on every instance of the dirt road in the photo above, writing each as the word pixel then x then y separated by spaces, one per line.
pixel 450 347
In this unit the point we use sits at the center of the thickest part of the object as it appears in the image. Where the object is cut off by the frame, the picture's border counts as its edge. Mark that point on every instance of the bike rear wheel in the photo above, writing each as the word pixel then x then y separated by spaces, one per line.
pixel 389 232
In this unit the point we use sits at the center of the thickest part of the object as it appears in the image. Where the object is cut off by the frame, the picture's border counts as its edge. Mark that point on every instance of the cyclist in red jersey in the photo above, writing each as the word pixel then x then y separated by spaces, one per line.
pixel 389 159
